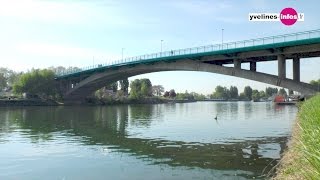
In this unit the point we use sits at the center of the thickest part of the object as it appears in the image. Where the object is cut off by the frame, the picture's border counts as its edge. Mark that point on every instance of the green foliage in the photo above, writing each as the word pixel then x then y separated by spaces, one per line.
pixel 310 124
pixel 3 81
pixel 166 94
pixel 190 96
pixel 282 91
pixel 225 93
pixel 112 86
pixel 140 88
pixel 135 89
pixel 172 93
pixel 262 94
pixel 316 84
pixel 233 92
pixel 220 92
pixel 248 92
pixel 242 96
pixel 38 82
pixel 146 87
pixel 271 91
pixel 7 77
pixel 124 85
pixel 255 95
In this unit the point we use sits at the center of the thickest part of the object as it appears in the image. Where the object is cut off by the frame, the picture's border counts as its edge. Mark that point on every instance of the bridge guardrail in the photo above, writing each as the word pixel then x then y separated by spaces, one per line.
pixel 202 49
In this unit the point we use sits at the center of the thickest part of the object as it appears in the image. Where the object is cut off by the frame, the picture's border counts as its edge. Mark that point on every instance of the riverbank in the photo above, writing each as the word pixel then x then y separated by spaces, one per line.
pixel 28 102
pixel 302 159
pixel 149 100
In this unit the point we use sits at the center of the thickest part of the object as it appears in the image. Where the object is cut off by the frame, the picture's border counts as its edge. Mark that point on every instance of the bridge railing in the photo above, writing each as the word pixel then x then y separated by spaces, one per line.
pixel 202 49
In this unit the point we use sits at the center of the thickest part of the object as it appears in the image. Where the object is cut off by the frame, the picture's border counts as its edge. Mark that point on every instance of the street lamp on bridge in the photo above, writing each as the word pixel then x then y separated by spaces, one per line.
pixel 122 53
pixel 222 38
pixel 161 46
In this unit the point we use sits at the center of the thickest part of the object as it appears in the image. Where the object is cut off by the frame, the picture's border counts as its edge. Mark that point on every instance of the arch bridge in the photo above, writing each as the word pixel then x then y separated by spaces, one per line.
pixel 76 85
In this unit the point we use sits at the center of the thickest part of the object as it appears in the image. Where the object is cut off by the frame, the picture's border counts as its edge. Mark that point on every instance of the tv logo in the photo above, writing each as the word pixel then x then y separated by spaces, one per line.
pixel 288 16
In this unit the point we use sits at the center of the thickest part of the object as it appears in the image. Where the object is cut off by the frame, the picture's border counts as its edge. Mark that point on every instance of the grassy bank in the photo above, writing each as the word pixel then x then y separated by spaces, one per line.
pixel 302 159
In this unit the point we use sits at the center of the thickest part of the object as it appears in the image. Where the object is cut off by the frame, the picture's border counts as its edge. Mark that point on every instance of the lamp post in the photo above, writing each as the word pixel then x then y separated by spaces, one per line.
pixel 222 37
pixel 161 46
pixel 122 53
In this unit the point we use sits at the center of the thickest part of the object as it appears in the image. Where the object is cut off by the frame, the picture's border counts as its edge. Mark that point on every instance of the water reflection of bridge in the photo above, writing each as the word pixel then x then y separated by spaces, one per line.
pixel 108 127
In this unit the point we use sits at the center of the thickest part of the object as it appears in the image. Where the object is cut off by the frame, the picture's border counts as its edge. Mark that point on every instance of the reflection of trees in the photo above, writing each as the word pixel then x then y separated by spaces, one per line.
pixel 107 126
pixel 226 107
pixel 8 119
pixel 141 115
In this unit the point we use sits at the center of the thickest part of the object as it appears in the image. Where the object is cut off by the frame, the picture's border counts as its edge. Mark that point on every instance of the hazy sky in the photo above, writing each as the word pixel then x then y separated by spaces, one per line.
pixel 39 34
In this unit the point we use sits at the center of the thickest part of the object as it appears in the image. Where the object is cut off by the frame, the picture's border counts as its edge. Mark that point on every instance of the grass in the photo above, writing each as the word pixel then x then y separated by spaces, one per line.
pixel 302 160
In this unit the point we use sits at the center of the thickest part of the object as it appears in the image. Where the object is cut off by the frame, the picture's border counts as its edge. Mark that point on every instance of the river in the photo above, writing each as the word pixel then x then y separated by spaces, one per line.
pixel 162 141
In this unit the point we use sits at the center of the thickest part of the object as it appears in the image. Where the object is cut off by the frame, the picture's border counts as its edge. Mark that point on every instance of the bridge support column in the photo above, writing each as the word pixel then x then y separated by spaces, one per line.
pixel 253 66
pixel 237 63
pixel 281 66
pixel 296 69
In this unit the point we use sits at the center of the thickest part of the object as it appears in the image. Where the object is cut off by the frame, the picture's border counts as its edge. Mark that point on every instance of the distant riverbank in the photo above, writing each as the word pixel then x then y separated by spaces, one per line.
pixel 302 159
pixel 48 102
pixel 149 100
pixel 28 102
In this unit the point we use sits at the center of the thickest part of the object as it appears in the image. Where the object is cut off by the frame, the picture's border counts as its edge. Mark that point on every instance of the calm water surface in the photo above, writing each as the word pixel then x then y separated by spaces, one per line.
pixel 165 141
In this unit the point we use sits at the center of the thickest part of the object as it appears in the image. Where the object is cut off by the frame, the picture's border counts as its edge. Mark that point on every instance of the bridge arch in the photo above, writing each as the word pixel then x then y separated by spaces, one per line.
pixel 96 81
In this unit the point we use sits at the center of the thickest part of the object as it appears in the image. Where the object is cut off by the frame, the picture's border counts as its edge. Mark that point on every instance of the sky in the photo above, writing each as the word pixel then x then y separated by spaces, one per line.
pixel 40 34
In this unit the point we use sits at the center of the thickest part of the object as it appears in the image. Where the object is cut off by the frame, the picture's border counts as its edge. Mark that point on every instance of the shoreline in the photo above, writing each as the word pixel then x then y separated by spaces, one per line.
pixel 290 156
pixel 301 160
pixel 28 102
pixel 90 102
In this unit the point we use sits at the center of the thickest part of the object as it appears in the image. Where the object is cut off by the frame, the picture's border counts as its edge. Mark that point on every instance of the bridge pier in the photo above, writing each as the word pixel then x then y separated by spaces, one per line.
pixel 295 70
pixel 281 66
pixel 253 66
pixel 237 63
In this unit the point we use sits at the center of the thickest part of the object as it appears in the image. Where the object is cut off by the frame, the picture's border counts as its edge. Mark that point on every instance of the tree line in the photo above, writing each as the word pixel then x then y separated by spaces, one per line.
pixel 247 94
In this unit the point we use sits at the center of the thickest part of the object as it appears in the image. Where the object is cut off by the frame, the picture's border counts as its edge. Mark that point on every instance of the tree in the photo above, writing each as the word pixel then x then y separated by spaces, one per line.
pixel 255 95
pixel 135 87
pixel 248 92
pixel 316 84
pixel 172 93
pixel 8 77
pixel 233 92
pixel 37 82
pixel 3 82
pixel 112 86
pixel 157 90
pixel 146 87
pixel 140 88
pixel 283 92
pixel 124 85
pixel 220 92
pixel 242 96
pixel 271 91
pixel 197 96
pixel 262 94
pixel 166 94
